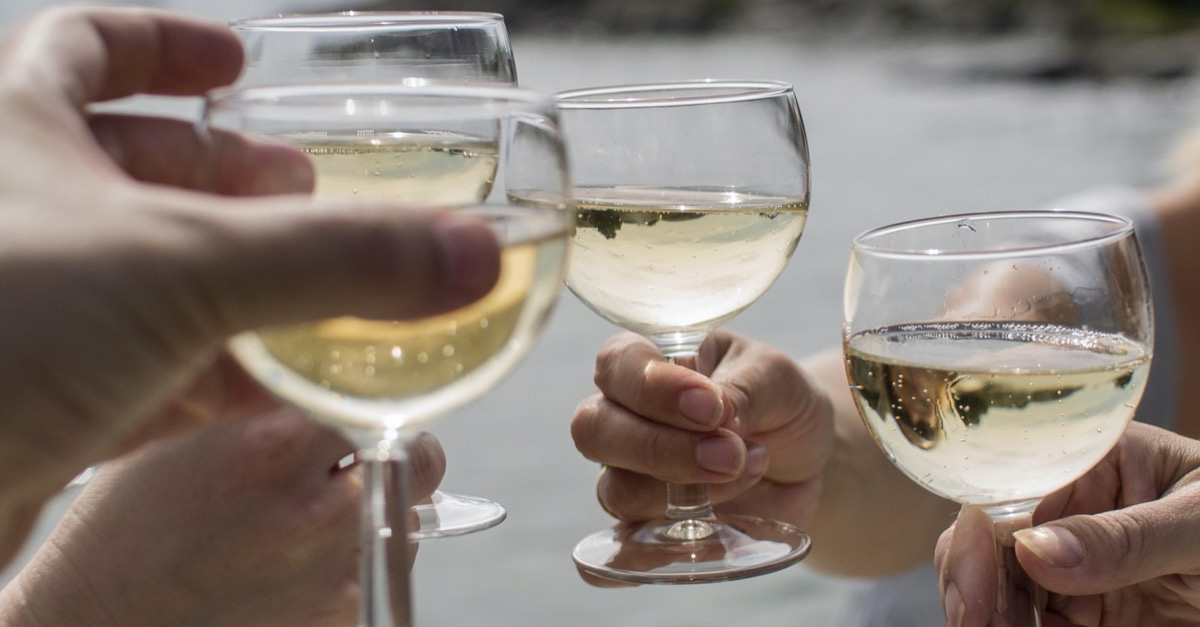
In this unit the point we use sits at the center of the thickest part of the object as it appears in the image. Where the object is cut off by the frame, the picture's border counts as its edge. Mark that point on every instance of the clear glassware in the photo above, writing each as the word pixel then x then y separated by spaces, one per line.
pixel 376 46
pixel 379 381
pixel 997 357
pixel 388 46
pixel 691 198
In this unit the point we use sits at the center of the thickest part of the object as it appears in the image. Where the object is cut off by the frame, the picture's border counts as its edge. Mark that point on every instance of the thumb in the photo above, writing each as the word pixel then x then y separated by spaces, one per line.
pixel 287 260
pixel 1096 554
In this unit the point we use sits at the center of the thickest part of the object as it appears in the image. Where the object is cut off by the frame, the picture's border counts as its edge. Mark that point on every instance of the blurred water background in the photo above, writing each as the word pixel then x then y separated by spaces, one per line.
pixel 913 108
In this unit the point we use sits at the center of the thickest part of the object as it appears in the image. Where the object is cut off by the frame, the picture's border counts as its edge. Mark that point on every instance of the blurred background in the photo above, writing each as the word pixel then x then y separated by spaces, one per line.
pixel 913 108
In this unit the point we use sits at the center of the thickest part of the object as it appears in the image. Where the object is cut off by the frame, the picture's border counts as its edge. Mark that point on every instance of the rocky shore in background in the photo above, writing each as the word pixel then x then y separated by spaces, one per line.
pixel 1044 40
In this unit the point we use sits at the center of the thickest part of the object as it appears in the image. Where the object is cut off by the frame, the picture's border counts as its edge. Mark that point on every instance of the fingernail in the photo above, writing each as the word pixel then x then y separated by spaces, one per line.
pixel 756 459
pixel 954 606
pixel 1054 545
pixel 470 257
pixel 702 406
pixel 718 453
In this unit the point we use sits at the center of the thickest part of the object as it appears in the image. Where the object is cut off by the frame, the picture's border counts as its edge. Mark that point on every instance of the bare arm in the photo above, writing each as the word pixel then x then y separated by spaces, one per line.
pixel 872 520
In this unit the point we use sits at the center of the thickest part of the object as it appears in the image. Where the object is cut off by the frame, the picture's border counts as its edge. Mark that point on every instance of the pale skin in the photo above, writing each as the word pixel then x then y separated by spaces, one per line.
pixel 784 439
pixel 1117 547
pixel 246 522
pixel 127 258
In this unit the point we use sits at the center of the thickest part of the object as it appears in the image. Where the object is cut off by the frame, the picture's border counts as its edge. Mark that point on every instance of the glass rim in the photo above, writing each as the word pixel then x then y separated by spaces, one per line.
pixel 634 96
pixel 362 20
pixel 312 98
pixel 1123 227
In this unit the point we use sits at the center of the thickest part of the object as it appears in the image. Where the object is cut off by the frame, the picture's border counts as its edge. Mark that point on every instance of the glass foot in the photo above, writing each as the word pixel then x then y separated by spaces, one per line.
pixel 664 551
pixel 455 515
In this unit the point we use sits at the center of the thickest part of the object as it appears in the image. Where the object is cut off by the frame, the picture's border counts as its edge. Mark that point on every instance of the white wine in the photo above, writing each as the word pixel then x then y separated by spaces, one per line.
pixel 989 413
pixel 376 374
pixel 419 170
pixel 656 260
pixel 396 359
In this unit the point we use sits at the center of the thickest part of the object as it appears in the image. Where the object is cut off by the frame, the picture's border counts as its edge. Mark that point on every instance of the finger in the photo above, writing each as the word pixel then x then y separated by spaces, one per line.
pixel 628 495
pixel 632 372
pixel 966 558
pixel 426 466
pixel 1095 554
pixel 612 435
pixel 1073 610
pixel 775 402
pixel 92 54
pixel 263 263
pixel 171 152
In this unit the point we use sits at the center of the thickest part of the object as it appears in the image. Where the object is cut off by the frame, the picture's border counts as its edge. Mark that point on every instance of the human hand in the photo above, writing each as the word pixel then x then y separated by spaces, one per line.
pixel 121 287
pixel 749 422
pixel 249 522
pixel 1116 547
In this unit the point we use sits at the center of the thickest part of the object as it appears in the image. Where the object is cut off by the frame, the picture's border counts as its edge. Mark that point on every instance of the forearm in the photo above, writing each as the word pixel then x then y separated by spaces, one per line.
pixel 872 519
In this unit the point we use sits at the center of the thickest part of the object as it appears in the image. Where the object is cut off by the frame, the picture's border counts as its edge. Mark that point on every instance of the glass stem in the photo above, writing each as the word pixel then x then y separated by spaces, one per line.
pixel 1019 599
pixel 688 504
pixel 384 563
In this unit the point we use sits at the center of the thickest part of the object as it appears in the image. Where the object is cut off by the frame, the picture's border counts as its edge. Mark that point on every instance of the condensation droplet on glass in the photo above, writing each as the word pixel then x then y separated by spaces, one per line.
pixel 483 324
pixel 448 351
pixel 369 371
pixel 397 352
pixel 422 357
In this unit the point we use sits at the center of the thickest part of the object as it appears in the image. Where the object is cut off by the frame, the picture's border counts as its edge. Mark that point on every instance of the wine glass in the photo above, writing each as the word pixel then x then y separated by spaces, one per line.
pixel 997 357
pixel 388 46
pixel 691 198
pixel 376 46
pixel 380 380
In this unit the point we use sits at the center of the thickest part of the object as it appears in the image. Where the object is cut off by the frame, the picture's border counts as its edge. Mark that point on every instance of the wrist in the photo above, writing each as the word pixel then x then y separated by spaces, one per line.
pixel 51 590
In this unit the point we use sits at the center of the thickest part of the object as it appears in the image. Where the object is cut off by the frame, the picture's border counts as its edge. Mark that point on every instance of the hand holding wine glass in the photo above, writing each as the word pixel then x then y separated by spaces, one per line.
pixel 691 199
pixel 1084 552
pixel 389 46
pixel 127 271
pixel 997 357
pixel 379 379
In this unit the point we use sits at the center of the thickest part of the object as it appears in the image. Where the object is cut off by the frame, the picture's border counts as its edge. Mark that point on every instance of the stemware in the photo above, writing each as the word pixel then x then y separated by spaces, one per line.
pixel 997 357
pixel 379 380
pixel 388 46
pixel 376 46
pixel 691 198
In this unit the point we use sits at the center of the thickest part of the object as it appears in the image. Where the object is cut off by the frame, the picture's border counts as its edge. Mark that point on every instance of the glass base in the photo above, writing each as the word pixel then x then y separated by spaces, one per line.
pixel 455 515
pixel 664 551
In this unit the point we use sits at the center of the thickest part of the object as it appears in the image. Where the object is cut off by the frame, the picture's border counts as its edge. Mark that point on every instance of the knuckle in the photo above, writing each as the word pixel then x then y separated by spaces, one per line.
pixel 1126 539
pixel 657 453
pixel 585 425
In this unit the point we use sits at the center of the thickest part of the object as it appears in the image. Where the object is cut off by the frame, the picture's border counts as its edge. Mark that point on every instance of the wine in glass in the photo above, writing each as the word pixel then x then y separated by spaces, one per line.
pixel 390 46
pixel 691 198
pixel 997 357
pixel 380 380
